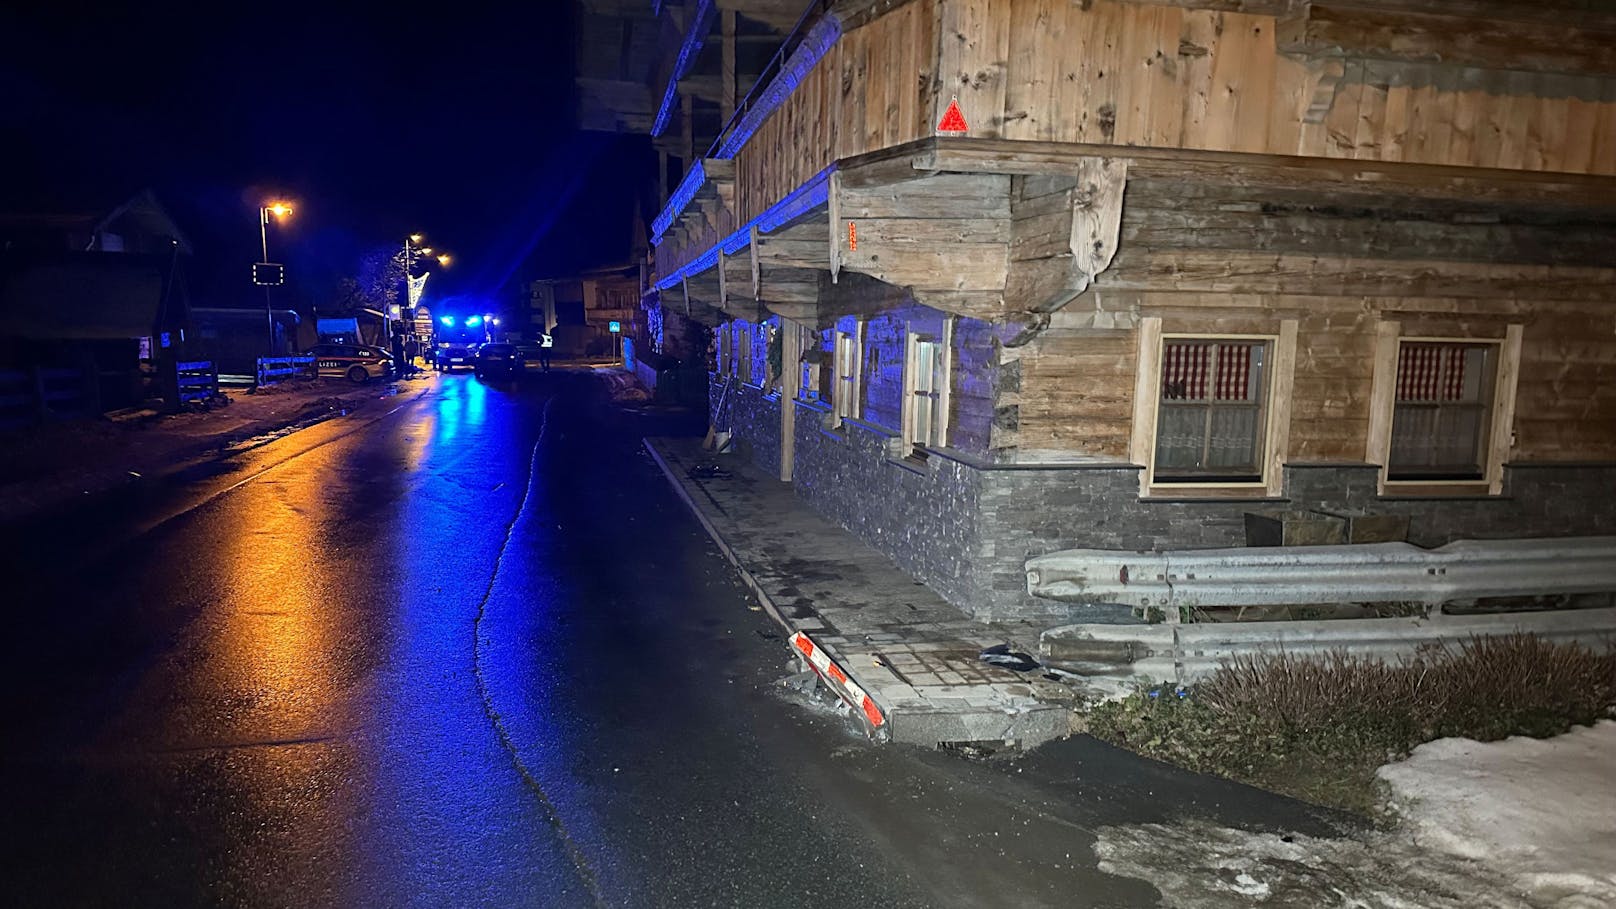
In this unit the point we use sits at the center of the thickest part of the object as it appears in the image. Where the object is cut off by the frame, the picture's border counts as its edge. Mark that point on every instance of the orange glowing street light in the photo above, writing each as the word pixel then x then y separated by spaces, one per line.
pixel 445 259
pixel 279 210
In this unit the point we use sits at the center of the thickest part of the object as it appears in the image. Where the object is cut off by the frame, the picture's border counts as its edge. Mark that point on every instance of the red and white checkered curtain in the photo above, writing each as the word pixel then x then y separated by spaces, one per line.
pixel 1187 367
pixel 1234 371
pixel 1184 369
pixel 1420 376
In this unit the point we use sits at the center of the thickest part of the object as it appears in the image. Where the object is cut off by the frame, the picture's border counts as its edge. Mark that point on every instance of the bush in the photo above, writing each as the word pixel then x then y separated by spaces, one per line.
pixel 1317 727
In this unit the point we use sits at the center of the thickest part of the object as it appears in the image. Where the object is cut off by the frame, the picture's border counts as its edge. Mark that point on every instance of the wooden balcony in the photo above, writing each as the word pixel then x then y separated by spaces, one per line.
pixel 839 172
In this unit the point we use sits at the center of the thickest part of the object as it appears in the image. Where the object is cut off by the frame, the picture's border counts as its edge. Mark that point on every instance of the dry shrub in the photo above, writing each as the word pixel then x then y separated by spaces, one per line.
pixel 1260 717
pixel 1486 688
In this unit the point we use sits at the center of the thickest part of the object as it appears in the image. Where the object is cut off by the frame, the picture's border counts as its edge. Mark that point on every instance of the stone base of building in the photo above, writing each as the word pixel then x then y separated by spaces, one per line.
pixel 966 529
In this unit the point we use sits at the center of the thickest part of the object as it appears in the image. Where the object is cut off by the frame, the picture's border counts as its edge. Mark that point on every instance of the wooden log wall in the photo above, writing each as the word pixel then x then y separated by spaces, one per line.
pixel 1234 258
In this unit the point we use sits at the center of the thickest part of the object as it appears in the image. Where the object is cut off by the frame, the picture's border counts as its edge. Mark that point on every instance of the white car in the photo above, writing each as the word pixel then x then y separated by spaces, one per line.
pixel 356 362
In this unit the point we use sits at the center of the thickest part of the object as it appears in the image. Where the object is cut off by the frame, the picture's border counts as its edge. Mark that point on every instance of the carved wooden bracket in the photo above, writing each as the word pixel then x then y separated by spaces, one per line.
pixel 1097 215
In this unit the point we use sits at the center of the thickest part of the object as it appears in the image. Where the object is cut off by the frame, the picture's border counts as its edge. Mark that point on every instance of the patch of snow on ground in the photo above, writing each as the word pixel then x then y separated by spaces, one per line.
pixel 1518 824
pixel 1199 865
pixel 1542 811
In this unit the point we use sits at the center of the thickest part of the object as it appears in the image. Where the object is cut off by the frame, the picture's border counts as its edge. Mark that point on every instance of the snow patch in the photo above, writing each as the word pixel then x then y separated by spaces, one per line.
pixel 1542 811
pixel 1518 824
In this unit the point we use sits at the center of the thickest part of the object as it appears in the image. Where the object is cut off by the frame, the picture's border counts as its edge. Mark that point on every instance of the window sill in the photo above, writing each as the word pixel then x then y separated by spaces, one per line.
pixel 1201 492
pixel 910 463
pixel 813 404
pixel 1437 489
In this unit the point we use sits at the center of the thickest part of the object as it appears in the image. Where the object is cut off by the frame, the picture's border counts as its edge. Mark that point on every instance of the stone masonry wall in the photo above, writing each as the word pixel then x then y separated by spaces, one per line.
pixel 922 515
pixel 967 531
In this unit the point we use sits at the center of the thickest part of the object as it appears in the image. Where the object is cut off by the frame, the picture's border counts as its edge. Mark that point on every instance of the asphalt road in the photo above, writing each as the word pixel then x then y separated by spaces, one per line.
pixel 470 650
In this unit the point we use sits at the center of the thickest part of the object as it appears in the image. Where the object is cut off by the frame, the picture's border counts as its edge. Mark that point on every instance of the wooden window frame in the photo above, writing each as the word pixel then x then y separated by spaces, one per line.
pixel 847 387
pixel 1389 341
pixel 745 368
pixel 938 392
pixel 1278 384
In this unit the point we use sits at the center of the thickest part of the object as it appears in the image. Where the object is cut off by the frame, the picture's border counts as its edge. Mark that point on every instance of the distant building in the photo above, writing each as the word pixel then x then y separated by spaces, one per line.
pixel 100 291
pixel 579 311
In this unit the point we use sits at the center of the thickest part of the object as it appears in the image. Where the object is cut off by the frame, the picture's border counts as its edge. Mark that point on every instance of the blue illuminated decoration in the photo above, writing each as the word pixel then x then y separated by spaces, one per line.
pixel 447 320
pixel 815 45
pixel 700 23
pixel 694 178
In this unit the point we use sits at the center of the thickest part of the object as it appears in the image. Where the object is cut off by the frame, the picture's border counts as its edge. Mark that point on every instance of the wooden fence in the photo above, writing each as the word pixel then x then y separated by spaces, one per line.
pixel 198 382
pixel 272 370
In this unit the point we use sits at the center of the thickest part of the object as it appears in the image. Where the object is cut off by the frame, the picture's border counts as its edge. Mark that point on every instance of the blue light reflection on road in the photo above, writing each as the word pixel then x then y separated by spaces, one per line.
pixel 460 805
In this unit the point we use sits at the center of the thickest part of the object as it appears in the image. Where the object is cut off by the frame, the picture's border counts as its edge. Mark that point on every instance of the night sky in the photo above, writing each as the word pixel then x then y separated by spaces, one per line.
pixel 450 120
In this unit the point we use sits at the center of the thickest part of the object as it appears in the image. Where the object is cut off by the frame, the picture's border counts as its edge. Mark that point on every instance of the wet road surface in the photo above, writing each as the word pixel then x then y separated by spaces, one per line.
pixel 468 649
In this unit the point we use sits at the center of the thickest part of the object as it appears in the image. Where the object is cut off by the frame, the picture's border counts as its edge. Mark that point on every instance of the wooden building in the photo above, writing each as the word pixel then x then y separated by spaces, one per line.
pixel 1186 259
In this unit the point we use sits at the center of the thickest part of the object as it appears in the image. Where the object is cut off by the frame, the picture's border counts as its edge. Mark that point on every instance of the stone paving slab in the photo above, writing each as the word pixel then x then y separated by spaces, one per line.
pixel 910 649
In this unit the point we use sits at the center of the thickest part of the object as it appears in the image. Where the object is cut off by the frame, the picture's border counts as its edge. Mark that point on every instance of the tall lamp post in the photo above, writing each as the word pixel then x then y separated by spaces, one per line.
pixel 279 210
pixel 412 249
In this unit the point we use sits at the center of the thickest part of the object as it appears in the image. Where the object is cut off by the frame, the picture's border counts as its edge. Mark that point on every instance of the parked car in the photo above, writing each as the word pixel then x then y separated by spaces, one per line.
pixel 355 362
pixel 500 359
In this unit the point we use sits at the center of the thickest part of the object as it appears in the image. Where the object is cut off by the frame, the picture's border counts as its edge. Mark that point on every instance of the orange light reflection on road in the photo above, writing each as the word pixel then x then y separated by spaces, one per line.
pixel 276 646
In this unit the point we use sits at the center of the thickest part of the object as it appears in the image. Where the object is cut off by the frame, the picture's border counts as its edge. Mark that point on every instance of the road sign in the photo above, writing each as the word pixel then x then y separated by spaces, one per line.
pixel 269 274
pixel 614 327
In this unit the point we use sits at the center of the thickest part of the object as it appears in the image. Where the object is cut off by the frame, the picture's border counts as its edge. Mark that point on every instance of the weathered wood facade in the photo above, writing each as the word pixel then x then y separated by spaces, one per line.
pixel 1190 257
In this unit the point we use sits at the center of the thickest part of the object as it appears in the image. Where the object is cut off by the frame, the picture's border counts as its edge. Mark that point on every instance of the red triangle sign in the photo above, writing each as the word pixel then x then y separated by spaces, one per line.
pixel 953 121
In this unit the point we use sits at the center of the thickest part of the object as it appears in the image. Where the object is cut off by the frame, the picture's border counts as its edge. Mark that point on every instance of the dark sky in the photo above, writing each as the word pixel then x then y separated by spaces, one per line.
pixel 453 119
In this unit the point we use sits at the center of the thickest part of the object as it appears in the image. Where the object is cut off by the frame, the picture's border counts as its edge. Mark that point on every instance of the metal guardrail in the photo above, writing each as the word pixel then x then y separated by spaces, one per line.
pixel 279 369
pixel 44 393
pixel 1300 575
pixel 1113 655
pixel 197 381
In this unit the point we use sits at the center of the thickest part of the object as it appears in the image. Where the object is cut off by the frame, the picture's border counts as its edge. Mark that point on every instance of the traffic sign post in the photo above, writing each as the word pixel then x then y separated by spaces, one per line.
pixel 616 328
pixel 269 274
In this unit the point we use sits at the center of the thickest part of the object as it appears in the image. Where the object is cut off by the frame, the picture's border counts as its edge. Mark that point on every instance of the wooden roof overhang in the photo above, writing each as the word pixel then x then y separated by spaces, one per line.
pixel 1009 231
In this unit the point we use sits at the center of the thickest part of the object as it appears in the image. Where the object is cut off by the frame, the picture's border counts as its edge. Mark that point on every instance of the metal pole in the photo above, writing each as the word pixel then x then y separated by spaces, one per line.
pixel 263 240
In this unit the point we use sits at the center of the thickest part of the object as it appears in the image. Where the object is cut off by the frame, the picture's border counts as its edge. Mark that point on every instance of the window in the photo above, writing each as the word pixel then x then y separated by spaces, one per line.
pixel 846 367
pixel 1441 413
pixel 1211 414
pixel 926 377
pixel 808 380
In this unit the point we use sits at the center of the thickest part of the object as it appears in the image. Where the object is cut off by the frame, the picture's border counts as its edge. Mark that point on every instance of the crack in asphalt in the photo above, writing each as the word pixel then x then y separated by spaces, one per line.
pixel 552 814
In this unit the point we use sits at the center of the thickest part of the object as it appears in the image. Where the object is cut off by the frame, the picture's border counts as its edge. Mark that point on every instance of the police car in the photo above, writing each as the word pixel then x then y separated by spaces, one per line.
pixel 356 362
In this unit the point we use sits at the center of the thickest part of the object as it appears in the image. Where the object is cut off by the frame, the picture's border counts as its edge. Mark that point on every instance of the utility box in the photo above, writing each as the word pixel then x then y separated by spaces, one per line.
pixel 1294 528
pixel 1364 527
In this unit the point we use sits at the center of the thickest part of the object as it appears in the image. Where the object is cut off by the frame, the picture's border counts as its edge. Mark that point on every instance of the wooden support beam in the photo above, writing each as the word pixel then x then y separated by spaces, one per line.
pixel 790 364
pixel 726 68
pixel 834 208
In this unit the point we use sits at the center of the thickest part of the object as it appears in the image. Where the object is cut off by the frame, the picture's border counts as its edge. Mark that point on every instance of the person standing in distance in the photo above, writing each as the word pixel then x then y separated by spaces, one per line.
pixel 545 343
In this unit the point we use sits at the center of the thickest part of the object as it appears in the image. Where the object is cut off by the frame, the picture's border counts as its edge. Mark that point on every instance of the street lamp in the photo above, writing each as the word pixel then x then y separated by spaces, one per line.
pixel 279 210
pixel 413 247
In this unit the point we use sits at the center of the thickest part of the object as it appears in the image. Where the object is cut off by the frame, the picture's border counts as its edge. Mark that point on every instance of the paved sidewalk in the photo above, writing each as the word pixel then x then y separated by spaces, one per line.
pixel 45 467
pixel 914 653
